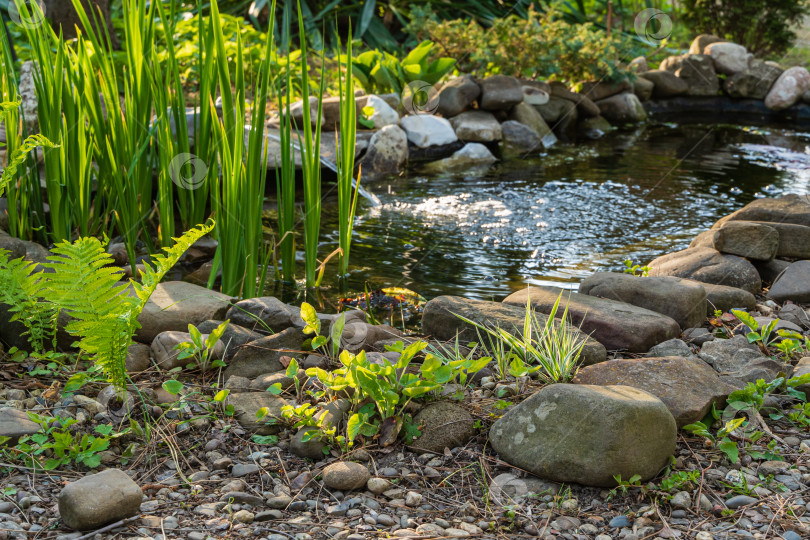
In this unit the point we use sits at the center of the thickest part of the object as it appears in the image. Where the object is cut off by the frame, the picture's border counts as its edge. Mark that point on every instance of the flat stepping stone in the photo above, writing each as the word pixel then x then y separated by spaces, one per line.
pixel 440 319
pixel 15 424
pixel 687 386
pixel 176 304
pixel 793 284
pixel 788 209
pixel 680 299
pixel 614 324
pixel 708 265
pixel 587 434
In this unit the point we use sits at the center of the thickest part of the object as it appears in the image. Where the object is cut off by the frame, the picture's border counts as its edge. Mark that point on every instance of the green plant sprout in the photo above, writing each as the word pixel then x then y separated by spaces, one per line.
pixel 636 269
pixel 201 350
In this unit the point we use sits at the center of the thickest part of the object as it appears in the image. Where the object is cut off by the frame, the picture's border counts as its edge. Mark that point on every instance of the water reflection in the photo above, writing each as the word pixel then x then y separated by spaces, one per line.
pixel 557 218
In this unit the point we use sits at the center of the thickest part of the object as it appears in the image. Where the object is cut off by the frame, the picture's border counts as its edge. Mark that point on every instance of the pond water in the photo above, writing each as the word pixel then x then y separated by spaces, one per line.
pixel 580 208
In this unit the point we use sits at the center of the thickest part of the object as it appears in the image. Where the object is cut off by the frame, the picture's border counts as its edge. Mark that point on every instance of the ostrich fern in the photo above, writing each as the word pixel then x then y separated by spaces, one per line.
pixel 104 311
pixel 23 289
pixel 84 284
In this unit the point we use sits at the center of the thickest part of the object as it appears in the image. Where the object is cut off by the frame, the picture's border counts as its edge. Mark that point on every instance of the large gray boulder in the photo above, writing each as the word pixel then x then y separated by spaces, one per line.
pixel 687 386
pixel 440 319
pixel 499 93
pixel 424 130
pixel 682 300
pixel 528 115
pixel 788 88
pixel 725 298
pixel 740 362
pixel 753 83
pixel 756 241
pixel 624 108
pixel 614 324
pixel 697 71
pixel 518 140
pixel 793 284
pixel 786 209
pixel 176 304
pixel 15 424
pixel 709 266
pixel 476 126
pixel 729 58
pixel 587 434
pixel 455 96
pixel 387 153
pixel 98 499
pixel 794 240
pixel 666 84
pixel 264 355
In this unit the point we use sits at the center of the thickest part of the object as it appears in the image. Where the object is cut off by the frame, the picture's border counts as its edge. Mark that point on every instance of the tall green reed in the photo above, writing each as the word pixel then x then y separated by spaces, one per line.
pixel 285 167
pixel 310 148
pixel 122 128
pixel 347 203
pixel 238 197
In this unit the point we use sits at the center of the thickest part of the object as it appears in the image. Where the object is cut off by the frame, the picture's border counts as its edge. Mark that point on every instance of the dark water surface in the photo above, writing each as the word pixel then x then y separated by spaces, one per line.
pixel 579 208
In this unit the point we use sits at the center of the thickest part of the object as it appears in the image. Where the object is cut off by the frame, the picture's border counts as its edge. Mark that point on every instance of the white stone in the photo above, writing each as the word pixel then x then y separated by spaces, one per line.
pixel 478 126
pixel 384 114
pixel 728 58
pixel 425 130
pixel 473 154
pixel 788 88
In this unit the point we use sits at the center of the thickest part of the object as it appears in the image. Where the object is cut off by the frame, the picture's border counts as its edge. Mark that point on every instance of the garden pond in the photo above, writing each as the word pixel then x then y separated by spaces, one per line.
pixel 557 218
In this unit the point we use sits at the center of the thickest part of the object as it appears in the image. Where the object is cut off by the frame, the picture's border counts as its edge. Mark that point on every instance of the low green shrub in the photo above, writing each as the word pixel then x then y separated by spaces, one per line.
pixel 765 27
pixel 539 46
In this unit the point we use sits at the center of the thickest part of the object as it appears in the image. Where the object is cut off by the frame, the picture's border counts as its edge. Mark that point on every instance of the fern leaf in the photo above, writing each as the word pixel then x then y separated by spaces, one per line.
pixel 19 155
pixel 86 285
pixel 23 288
pixel 151 276
pixel 8 106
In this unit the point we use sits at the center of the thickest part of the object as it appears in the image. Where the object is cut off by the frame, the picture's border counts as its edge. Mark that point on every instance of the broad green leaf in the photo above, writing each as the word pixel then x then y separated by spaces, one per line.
pixel 221 395
pixel 310 317
pixel 173 386
pixel 275 389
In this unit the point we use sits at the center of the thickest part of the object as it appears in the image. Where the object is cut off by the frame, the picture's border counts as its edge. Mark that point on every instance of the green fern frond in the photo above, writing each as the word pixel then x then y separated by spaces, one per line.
pixel 23 288
pixel 151 276
pixel 86 285
pixel 19 155
pixel 8 106
pixel 104 311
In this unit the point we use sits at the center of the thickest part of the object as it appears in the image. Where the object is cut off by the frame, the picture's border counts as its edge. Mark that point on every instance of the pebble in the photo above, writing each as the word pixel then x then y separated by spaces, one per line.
pixel 267 515
pixel 413 499
pixel 244 516
pixel 703 535
pixel 244 469
pixel 569 505
pixel 378 485
pixel 740 500
pixel 619 522
pixel 682 499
